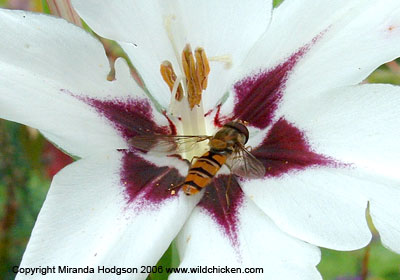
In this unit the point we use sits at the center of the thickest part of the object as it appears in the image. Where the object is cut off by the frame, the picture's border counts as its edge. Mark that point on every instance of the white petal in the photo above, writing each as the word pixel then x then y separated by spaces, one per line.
pixel 87 221
pixel 359 125
pixel 44 61
pixel 383 194
pixel 154 31
pixel 342 42
pixel 320 205
pixel 354 48
pixel 260 245
pixel 223 28
pixel 385 213
pixel 356 125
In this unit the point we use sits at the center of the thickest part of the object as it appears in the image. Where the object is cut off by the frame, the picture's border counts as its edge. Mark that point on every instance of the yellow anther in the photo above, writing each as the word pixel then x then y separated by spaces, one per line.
pixel 195 68
pixel 202 66
pixel 169 76
pixel 194 88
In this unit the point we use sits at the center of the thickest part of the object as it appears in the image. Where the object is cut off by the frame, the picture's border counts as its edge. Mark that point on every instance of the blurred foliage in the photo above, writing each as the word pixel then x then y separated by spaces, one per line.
pixel 22 191
pixel 386 74
pixel 383 264
pixel 169 259
pixel 45 7
pixel 277 3
pixel 27 162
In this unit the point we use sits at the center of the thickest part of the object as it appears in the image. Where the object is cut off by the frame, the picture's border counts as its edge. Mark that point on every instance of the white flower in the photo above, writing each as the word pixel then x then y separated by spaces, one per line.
pixel 329 145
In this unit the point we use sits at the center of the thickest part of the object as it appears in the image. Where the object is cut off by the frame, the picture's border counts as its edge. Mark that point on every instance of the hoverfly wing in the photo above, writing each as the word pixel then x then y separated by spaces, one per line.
pixel 153 143
pixel 166 144
pixel 244 164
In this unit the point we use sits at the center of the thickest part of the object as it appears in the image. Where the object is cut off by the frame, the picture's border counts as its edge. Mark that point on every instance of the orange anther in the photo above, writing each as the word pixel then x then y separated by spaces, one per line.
pixel 169 76
pixel 202 66
pixel 192 77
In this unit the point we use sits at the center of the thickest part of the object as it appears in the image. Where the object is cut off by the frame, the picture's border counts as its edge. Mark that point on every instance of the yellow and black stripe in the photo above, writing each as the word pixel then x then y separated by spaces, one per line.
pixel 202 171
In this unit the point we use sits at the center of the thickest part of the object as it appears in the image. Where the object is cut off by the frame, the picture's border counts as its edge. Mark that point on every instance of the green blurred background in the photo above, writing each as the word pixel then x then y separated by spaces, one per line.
pixel 28 162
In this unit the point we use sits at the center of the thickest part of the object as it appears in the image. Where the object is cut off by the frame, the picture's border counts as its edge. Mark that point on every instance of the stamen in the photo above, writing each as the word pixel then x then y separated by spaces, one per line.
pixel 169 76
pixel 194 89
pixel 202 66
pixel 188 82
pixel 177 89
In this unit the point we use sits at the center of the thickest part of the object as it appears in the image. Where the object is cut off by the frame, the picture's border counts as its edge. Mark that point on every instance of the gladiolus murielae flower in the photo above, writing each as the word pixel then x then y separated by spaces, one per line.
pixel 329 145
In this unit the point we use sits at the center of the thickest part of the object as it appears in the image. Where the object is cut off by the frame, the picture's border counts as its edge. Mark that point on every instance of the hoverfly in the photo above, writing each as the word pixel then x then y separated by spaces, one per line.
pixel 226 147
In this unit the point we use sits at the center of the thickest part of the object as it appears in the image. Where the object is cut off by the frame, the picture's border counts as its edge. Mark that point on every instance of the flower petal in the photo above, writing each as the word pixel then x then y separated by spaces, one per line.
pixel 350 50
pixel 385 212
pixel 383 194
pixel 357 125
pixel 260 244
pixel 155 31
pixel 44 58
pixel 356 37
pixel 327 44
pixel 319 205
pixel 90 218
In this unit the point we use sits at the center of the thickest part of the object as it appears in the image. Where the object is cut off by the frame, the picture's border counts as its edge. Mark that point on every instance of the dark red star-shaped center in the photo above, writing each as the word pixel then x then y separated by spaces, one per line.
pixel 284 148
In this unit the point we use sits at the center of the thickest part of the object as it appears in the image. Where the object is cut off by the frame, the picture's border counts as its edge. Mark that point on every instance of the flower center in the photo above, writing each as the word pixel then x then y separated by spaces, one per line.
pixel 186 107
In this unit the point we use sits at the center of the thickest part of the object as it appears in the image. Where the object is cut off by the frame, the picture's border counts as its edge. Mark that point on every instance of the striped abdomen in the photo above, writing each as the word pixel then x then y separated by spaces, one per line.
pixel 202 171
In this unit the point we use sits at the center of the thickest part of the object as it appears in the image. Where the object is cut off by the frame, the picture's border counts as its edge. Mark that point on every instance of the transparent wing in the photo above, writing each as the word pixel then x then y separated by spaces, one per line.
pixel 244 164
pixel 166 144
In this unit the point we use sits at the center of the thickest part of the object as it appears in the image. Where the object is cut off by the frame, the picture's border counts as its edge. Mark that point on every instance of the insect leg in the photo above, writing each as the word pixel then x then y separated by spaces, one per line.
pixel 172 188
pixel 228 187
pixel 249 148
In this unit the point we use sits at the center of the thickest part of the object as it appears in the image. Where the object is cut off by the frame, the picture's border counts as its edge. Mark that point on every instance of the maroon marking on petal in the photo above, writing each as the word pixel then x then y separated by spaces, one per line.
pixel 145 182
pixel 258 96
pixel 219 120
pixel 210 111
pixel 172 126
pixel 130 117
pixel 214 202
pixel 285 149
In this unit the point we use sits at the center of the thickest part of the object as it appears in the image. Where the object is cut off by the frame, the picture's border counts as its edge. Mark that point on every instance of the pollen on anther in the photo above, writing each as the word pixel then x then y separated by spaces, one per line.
pixel 173 192
pixel 196 69
pixel 202 67
pixel 169 76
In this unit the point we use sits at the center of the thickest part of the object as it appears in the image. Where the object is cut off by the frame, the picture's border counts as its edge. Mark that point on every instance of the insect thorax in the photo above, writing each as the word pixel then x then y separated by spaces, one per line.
pixel 226 139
